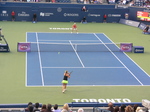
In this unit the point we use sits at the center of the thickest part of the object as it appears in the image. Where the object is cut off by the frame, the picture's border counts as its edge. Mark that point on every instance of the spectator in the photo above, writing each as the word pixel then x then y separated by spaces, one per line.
pixel 131 3
pixel 36 107
pixel 116 109
pixel 129 109
pixel 138 109
pixel 56 108
pixel 86 2
pixel 30 108
pixel 135 107
pixel 84 9
pixel 27 109
pixel 122 108
pixel 66 108
pixel 110 107
pixel 80 110
pixel 124 2
pixel 49 108
pixel 53 1
pixel 43 109
pixel 13 15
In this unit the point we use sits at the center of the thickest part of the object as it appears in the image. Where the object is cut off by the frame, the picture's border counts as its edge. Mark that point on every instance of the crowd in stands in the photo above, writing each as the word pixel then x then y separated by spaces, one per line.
pixel 48 108
pixel 141 3
pixel 124 108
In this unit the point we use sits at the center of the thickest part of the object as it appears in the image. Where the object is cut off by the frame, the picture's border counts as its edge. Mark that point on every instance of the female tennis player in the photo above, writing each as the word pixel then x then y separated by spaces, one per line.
pixel 74 27
pixel 65 81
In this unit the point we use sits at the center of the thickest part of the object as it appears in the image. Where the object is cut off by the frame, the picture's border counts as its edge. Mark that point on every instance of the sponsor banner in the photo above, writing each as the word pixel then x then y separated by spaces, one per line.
pixel 4 48
pixel 138 49
pixel 122 6
pixel 142 26
pixel 129 22
pixel 24 47
pixel 126 47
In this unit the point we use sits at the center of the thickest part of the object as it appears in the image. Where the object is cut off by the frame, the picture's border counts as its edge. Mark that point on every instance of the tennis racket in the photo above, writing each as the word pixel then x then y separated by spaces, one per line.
pixel 70 72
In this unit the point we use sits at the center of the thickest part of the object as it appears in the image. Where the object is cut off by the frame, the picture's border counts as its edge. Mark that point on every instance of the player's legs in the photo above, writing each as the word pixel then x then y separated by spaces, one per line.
pixel 64 87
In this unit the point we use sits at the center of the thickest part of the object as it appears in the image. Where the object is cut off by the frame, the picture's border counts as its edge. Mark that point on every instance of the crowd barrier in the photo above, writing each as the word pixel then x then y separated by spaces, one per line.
pixel 73 104
pixel 97 104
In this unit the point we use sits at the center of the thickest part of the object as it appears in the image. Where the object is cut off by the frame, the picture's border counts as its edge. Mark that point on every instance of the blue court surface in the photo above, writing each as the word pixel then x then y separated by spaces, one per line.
pixel 91 63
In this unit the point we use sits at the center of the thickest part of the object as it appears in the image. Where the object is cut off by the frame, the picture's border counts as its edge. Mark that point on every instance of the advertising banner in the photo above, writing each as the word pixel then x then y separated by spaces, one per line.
pixel 126 47
pixel 24 47
pixel 129 22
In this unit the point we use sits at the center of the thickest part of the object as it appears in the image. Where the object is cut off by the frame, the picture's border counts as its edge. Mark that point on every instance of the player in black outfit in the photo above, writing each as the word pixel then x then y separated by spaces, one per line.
pixel 65 81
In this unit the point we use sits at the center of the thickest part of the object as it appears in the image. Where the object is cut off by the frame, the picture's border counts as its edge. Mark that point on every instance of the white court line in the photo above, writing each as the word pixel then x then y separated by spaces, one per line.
pixel 120 61
pixel 83 67
pixel 77 55
pixel 26 63
pixel 132 60
pixel 85 85
pixel 40 60
pixel 73 40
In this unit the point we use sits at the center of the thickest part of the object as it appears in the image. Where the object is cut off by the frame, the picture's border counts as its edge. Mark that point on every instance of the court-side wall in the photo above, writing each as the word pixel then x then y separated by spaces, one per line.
pixel 64 12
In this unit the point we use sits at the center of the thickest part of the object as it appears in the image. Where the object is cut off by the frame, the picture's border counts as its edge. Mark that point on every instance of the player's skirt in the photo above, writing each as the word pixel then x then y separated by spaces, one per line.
pixel 64 82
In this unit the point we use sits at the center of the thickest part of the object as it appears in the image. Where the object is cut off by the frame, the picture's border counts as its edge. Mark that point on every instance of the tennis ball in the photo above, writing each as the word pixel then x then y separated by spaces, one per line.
pixel 58 52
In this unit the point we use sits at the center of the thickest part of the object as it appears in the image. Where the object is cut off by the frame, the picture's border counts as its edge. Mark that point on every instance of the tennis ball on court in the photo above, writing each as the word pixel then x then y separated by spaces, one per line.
pixel 58 52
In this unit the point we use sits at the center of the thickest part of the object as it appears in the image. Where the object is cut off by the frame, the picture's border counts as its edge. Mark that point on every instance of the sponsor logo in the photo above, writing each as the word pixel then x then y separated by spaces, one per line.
pixel 23 47
pixel 116 100
pixel 71 14
pixel 146 10
pixel 139 50
pixel 3 49
pixel 94 15
pixel 4 13
pixel 125 47
pixel 114 15
pixel 59 9
pixel 46 14
pixel 23 14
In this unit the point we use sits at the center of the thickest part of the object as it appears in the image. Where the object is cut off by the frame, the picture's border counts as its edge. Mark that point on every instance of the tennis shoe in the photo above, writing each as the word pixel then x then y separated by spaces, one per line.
pixel 63 91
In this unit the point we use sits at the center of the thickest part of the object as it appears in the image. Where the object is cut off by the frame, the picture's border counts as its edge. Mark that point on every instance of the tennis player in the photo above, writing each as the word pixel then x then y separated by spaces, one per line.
pixel 74 27
pixel 65 81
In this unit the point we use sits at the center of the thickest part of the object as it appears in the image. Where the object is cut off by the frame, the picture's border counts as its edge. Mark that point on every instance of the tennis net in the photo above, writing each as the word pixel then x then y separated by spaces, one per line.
pixel 73 47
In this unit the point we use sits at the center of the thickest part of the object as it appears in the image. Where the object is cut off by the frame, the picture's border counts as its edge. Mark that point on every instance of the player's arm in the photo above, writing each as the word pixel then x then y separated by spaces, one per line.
pixel 67 74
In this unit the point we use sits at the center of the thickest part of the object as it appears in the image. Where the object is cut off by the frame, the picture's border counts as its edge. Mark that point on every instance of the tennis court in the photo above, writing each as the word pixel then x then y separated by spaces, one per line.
pixel 92 63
